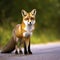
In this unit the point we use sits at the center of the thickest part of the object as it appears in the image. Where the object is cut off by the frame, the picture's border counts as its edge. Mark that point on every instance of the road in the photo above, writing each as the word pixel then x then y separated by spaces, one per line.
pixel 49 51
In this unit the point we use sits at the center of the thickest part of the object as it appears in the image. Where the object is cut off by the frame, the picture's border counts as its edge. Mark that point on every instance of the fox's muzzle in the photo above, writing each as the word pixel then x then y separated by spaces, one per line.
pixel 29 23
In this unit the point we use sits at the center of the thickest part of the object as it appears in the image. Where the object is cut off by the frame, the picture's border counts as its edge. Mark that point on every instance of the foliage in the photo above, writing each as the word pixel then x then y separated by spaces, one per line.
pixel 47 18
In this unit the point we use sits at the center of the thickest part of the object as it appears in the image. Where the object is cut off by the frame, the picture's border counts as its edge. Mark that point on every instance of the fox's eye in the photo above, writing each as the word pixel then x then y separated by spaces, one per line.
pixel 26 18
pixel 32 18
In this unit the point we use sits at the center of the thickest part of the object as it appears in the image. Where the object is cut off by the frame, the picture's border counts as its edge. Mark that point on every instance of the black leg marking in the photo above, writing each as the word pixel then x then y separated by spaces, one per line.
pixel 20 52
pixel 25 49
pixel 29 50
pixel 16 52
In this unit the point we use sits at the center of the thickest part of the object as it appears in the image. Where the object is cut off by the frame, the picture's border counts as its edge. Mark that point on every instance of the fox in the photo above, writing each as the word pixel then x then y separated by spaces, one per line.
pixel 22 32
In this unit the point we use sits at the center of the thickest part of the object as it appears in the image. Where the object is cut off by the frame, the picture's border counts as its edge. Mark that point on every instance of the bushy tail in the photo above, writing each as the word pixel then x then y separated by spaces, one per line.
pixel 9 47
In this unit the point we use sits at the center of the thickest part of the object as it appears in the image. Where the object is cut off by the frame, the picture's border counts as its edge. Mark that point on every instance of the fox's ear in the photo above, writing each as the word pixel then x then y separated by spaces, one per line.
pixel 33 12
pixel 24 13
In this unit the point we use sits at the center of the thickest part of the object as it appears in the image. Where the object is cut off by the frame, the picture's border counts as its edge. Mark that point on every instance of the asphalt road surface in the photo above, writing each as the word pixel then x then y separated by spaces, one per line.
pixel 49 51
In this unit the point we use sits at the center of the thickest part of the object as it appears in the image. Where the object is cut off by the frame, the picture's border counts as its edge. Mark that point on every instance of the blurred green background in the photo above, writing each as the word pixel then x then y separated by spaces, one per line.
pixel 47 19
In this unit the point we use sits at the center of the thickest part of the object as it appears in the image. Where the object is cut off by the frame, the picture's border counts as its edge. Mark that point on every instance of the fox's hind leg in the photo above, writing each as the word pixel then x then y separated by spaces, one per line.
pixel 20 46
pixel 16 47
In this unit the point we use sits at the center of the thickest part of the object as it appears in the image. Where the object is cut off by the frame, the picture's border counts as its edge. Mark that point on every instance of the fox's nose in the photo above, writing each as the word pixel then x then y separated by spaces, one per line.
pixel 30 22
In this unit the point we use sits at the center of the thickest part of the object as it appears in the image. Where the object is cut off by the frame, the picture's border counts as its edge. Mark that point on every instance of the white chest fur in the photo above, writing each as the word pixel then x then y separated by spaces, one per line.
pixel 27 34
pixel 28 30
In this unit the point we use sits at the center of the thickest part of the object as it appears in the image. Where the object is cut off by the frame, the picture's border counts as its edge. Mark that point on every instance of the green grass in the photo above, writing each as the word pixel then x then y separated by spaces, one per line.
pixel 5 35
pixel 43 38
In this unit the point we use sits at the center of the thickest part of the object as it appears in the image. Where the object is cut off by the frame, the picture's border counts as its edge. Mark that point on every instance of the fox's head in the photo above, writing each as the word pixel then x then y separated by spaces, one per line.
pixel 29 18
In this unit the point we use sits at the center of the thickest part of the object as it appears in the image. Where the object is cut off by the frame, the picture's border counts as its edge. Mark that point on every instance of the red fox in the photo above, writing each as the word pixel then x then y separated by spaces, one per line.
pixel 22 32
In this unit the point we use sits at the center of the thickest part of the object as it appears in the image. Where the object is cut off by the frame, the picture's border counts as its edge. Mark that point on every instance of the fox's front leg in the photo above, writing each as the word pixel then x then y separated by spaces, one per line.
pixel 27 49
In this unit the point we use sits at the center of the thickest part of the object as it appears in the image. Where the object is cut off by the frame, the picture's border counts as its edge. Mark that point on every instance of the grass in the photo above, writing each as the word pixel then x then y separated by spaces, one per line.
pixel 43 38
pixel 4 36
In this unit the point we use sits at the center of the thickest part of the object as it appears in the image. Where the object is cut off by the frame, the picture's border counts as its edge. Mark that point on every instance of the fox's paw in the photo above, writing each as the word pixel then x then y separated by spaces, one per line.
pixel 20 52
pixel 25 52
pixel 16 52
pixel 30 52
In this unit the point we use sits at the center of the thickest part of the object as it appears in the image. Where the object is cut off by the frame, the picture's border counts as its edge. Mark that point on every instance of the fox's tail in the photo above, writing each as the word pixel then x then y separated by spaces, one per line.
pixel 9 47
